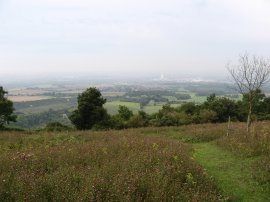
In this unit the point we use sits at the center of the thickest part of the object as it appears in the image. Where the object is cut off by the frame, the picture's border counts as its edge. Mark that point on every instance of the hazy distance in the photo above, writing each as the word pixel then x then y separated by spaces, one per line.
pixel 119 38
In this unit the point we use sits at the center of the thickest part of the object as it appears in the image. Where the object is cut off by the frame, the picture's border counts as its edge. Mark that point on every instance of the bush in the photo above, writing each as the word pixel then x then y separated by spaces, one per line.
pixel 137 121
pixel 185 118
pixel 207 116
pixel 56 126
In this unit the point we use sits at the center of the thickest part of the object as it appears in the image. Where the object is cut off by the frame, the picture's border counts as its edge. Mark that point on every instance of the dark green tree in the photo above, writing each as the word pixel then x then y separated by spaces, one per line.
pixel 260 103
pixel 189 108
pixel 266 105
pixel 90 110
pixel 223 107
pixel 167 116
pixel 6 109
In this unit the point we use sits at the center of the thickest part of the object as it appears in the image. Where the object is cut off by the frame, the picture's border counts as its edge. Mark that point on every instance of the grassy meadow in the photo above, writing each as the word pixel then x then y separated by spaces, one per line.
pixel 100 166
pixel 187 163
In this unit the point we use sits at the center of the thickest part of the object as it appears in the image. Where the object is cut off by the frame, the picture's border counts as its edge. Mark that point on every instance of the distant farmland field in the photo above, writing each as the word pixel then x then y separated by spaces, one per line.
pixel 196 99
pixel 113 106
pixel 27 98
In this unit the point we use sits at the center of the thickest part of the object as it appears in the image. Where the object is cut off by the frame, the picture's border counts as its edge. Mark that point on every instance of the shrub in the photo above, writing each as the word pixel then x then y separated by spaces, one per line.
pixel 56 126
pixel 207 116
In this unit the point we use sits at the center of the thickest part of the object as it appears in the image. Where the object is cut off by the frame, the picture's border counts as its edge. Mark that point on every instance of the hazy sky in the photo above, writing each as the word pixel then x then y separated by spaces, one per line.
pixel 169 36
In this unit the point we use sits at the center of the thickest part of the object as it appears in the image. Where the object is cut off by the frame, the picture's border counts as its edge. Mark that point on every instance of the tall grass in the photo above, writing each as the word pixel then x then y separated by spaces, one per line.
pixel 193 133
pixel 100 166
pixel 255 145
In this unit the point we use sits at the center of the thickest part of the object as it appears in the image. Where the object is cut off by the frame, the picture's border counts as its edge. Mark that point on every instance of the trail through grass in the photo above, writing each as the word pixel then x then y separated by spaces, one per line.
pixel 232 173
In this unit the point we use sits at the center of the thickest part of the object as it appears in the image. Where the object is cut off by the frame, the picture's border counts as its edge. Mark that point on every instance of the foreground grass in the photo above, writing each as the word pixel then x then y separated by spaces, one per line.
pixel 232 173
pixel 146 164
pixel 240 165
pixel 255 145
pixel 100 166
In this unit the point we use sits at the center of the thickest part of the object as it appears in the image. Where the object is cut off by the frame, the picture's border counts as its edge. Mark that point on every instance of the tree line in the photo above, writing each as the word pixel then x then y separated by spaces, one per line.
pixel 91 114
pixel 248 76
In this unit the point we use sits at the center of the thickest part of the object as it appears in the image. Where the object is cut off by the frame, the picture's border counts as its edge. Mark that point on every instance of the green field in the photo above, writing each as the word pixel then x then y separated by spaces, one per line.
pixel 34 107
pixel 150 109
pixel 112 107
pixel 40 109
pixel 196 99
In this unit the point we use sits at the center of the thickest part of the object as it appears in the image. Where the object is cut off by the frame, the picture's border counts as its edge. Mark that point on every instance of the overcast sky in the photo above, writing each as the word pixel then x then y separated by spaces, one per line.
pixel 165 36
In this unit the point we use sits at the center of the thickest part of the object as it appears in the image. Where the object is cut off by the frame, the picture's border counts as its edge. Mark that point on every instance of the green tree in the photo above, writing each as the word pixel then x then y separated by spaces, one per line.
pixel 266 105
pixel 121 120
pixel 124 113
pixel 167 116
pixel 257 101
pixel 138 120
pixel 260 103
pixel 90 110
pixel 207 116
pixel 6 109
pixel 222 106
pixel 189 108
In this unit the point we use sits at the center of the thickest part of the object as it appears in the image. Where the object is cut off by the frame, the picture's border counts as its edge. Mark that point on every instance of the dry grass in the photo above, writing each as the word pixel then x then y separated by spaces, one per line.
pixel 100 166
pixel 193 133
pixel 255 143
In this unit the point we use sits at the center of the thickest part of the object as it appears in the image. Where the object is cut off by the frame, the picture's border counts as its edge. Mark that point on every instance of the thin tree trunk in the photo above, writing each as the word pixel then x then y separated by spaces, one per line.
pixel 249 117
pixel 229 125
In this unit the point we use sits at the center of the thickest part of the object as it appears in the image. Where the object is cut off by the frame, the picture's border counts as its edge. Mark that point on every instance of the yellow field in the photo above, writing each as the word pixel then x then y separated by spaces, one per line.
pixel 25 98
